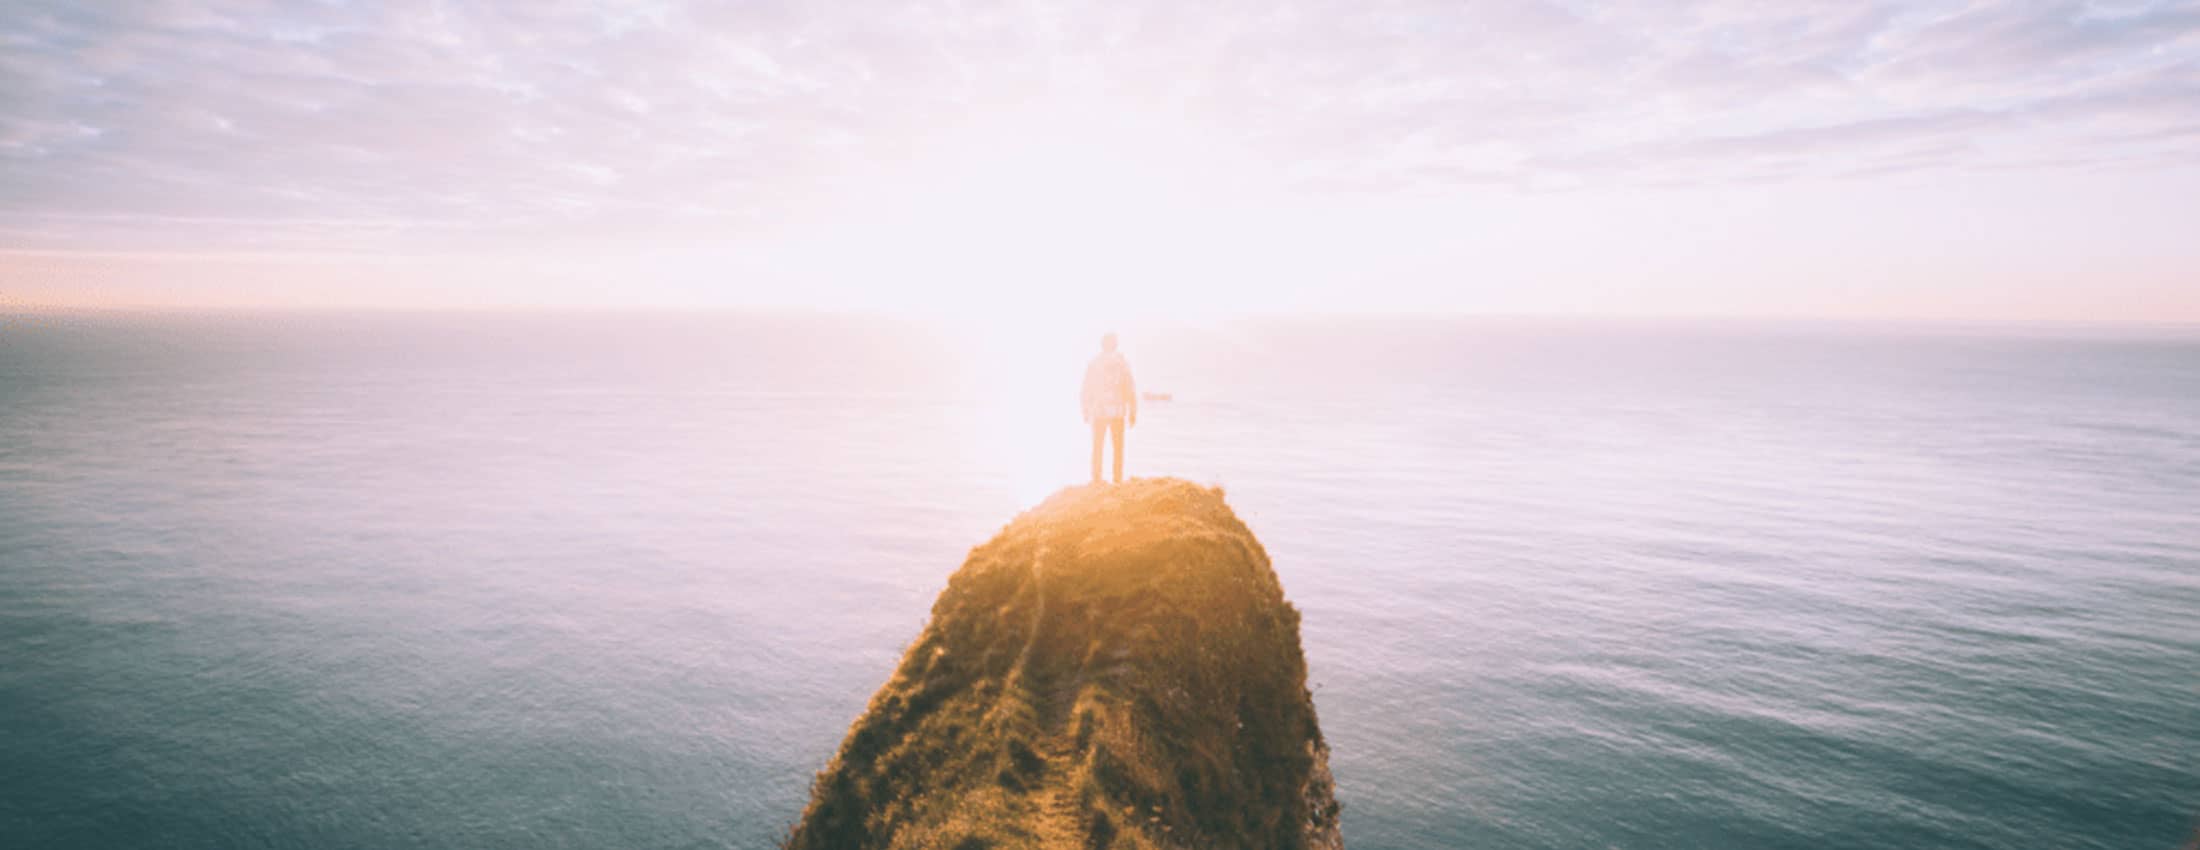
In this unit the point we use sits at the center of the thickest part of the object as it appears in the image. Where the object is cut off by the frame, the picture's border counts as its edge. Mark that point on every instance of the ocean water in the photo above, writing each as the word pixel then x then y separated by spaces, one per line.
pixel 623 581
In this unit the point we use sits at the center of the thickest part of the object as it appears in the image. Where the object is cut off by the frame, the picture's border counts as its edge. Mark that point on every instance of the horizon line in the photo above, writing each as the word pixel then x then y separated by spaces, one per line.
pixel 780 310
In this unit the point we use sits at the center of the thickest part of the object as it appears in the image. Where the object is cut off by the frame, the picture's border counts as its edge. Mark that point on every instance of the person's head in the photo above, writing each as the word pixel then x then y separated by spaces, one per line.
pixel 1107 341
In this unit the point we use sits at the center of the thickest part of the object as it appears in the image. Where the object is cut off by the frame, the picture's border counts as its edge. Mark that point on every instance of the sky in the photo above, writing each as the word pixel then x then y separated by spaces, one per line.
pixel 1724 158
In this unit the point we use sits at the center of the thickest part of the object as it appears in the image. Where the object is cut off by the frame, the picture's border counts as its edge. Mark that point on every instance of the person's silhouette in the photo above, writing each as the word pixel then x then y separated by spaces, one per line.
pixel 1111 402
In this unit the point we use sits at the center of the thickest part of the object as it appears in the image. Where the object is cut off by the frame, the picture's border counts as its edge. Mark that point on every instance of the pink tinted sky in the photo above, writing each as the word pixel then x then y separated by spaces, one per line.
pixel 1834 159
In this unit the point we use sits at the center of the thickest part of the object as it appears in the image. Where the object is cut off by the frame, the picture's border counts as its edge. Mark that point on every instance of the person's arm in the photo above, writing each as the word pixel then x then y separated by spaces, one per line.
pixel 1130 395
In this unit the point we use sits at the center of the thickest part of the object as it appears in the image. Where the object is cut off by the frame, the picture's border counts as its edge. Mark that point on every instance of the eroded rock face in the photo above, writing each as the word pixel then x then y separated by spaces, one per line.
pixel 1116 669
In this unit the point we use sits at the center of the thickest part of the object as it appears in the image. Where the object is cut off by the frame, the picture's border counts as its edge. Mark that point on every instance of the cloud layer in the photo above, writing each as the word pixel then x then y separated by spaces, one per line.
pixel 327 125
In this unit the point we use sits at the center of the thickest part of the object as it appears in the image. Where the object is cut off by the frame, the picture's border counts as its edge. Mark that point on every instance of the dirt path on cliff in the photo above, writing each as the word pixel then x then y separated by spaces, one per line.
pixel 1053 690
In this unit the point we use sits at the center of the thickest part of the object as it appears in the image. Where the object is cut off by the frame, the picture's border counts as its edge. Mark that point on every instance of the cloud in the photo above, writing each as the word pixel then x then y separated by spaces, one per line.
pixel 353 126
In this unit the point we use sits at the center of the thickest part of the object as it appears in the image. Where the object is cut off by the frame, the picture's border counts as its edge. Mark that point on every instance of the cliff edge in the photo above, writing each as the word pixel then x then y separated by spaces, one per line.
pixel 1117 668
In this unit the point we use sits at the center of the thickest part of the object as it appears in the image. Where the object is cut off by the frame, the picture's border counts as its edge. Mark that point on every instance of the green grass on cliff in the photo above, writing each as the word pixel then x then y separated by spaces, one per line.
pixel 1117 669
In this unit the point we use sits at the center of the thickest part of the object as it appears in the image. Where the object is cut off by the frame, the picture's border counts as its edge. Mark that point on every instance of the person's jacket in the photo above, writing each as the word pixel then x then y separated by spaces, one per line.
pixel 1109 392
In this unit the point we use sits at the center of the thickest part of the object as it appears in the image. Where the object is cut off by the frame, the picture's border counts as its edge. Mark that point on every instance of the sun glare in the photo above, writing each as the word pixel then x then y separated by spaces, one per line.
pixel 1023 382
pixel 1027 236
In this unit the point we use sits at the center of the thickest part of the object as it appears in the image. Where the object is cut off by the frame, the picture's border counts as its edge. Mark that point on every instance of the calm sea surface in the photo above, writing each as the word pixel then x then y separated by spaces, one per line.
pixel 623 581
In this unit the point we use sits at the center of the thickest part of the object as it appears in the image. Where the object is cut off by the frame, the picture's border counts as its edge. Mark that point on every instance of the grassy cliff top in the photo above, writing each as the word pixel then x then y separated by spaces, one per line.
pixel 1116 669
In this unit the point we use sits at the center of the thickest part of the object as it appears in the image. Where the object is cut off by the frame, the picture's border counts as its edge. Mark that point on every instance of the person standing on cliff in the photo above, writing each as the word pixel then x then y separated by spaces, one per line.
pixel 1111 402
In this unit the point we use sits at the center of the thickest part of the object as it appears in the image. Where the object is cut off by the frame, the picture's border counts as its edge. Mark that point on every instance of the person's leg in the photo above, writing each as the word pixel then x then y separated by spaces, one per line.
pixel 1116 427
pixel 1099 433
